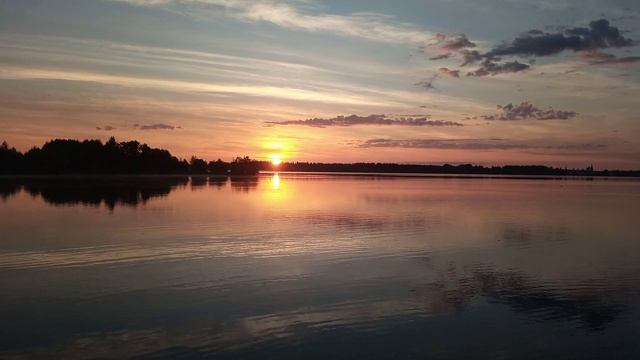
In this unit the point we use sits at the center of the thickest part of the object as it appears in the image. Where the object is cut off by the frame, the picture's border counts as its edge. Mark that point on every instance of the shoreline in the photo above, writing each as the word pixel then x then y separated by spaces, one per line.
pixel 106 177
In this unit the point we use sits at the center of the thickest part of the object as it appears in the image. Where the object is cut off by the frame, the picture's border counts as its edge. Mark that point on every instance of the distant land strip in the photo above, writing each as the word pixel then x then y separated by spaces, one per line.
pixel 65 157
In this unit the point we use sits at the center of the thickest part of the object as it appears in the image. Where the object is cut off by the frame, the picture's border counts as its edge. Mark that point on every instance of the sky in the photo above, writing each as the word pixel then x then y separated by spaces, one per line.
pixel 493 82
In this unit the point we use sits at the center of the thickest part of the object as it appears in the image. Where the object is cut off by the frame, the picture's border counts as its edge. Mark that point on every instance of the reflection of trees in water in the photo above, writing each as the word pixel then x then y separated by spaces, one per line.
pixel 218 182
pixel 96 191
pixel 243 183
pixel 198 182
pixel 114 191
pixel 8 189
pixel 238 183
pixel 592 307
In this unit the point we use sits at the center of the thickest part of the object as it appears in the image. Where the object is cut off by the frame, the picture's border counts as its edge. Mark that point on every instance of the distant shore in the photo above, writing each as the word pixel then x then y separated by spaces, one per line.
pixel 111 177
pixel 93 157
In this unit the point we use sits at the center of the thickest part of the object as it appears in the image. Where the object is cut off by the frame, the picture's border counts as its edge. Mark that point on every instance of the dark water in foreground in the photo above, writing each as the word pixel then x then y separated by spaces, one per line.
pixel 320 267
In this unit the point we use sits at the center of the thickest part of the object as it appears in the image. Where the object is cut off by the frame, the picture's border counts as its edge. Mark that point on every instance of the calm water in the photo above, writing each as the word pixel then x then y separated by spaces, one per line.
pixel 311 266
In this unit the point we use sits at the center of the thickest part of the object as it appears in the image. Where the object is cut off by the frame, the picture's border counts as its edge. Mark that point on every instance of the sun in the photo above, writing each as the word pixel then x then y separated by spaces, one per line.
pixel 276 159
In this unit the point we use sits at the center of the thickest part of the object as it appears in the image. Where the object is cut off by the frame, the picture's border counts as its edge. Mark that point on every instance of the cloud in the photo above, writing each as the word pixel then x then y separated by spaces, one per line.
pixel 450 72
pixel 329 95
pixel 453 42
pixel 157 127
pixel 475 144
pixel 105 128
pixel 489 67
pixel 618 61
pixel 587 41
pixel 601 58
pixel 448 44
pixel 459 45
pixel 353 120
pixel 599 35
pixel 470 57
pixel 441 57
pixel 527 111
pixel 370 26
pixel 428 83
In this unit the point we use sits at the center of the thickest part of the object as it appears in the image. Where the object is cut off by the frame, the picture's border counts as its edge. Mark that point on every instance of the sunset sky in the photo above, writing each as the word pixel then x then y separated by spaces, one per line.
pixel 413 81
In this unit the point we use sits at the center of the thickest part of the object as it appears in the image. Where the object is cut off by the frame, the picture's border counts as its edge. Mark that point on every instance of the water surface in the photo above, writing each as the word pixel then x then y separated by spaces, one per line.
pixel 319 266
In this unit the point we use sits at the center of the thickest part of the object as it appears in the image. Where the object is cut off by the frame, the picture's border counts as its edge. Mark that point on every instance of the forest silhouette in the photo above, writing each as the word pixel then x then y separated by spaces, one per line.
pixel 64 156
pixel 94 157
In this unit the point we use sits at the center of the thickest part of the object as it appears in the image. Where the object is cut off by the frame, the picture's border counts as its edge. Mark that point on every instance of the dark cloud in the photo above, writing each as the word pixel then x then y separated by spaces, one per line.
pixel 587 41
pixel 157 127
pixel 489 67
pixel 599 35
pixel 352 120
pixel 527 111
pixel 470 57
pixel 450 72
pixel 105 128
pixel 475 144
pixel 428 83
pixel 441 57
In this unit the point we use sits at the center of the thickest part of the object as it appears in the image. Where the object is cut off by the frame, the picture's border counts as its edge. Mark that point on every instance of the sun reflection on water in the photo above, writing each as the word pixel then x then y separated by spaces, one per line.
pixel 275 190
pixel 275 181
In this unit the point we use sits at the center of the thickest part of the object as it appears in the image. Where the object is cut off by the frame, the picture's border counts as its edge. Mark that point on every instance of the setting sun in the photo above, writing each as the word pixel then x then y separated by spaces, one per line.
pixel 320 179
pixel 276 159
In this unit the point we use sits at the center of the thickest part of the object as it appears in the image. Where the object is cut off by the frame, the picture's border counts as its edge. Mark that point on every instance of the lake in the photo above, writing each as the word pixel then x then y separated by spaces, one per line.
pixel 312 266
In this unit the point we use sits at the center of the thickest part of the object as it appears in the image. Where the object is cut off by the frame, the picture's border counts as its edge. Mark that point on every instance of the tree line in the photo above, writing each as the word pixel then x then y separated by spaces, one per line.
pixel 64 156
pixel 462 169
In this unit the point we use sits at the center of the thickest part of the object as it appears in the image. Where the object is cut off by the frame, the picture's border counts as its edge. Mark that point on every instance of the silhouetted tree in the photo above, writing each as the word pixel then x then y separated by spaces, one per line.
pixel 197 166
pixel 91 157
pixel 244 166
pixel 11 160
pixel 218 167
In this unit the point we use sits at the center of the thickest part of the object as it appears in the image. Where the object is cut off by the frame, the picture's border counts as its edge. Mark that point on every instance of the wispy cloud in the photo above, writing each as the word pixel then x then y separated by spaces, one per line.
pixel 105 128
pixel 602 58
pixel 449 72
pixel 156 127
pixel 170 69
pixel 476 144
pixel 370 26
pixel 352 120
pixel 22 73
